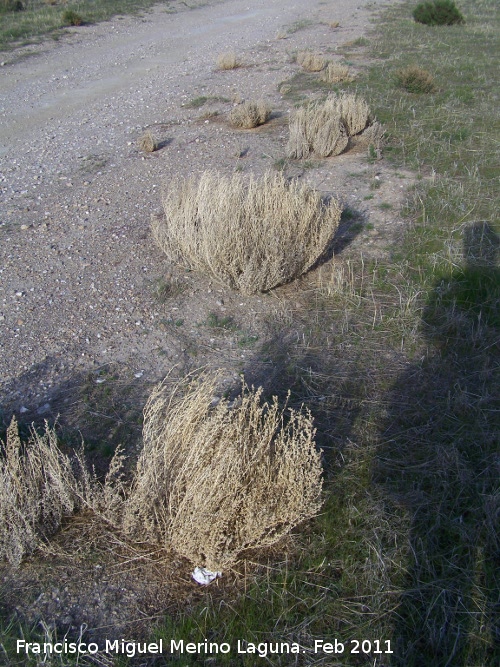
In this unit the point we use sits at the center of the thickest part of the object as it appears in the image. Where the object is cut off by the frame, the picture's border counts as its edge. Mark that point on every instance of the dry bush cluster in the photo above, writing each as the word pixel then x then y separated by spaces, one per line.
pixel 311 62
pixel 214 480
pixel 250 114
pixel 336 73
pixel 38 488
pixel 324 128
pixel 228 60
pixel 251 234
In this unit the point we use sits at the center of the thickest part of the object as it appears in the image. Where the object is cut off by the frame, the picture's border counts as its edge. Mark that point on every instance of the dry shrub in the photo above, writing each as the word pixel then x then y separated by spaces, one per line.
pixel 325 127
pixel 414 79
pixel 216 478
pixel 148 143
pixel 38 488
pixel 250 114
pixel 250 234
pixel 311 62
pixel 228 60
pixel 336 73
pixel 312 125
pixel 354 111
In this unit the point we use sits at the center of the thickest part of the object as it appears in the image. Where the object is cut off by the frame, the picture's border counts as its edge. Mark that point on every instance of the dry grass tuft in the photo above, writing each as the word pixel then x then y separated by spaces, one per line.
pixel 228 60
pixel 414 79
pixel 336 73
pixel 310 62
pixel 147 143
pixel 324 128
pixel 250 234
pixel 250 114
pixel 215 480
pixel 38 488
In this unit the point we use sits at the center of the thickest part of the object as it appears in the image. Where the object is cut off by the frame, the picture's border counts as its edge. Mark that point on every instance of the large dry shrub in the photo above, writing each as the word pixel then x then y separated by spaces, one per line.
pixel 251 234
pixel 250 114
pixel 324 128
pixel 38 488
pixel 216 478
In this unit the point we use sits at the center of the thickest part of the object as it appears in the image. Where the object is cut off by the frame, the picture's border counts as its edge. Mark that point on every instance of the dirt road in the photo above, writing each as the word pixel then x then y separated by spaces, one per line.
pixel 78 268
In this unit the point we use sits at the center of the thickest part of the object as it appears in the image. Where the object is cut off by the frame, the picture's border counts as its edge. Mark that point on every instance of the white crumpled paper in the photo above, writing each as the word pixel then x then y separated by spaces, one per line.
pixel 203 576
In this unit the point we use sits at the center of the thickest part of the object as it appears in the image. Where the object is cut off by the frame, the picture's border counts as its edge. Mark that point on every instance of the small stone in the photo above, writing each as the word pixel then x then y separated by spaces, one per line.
pixel 22 409
pixel 43 409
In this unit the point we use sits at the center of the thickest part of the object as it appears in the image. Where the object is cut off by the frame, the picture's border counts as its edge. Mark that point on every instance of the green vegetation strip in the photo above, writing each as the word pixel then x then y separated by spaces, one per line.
pixel 30 21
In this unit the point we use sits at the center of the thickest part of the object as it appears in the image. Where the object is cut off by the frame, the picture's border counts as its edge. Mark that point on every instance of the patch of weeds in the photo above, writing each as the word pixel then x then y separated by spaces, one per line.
pixel 93 163
pixel 196 102
pixel 385 206
pixel 247 340
pixel 348 214
pixel 212 113
pixel 368 197
pixel 356 43
pixel 416 80
pixel 165 288
pixel 280 164
pixel 298 25
pixel 372 154
pixel 72 18
pixel 311 164
pixel 201 100
pixel 179 322
pixel 215 322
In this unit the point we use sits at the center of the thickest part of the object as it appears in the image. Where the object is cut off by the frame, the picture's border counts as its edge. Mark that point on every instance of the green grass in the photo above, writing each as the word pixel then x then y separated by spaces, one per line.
pixel 40 19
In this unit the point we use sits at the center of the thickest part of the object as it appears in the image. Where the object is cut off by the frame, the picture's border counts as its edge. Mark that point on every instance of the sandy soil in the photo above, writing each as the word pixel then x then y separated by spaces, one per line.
pixel 86 299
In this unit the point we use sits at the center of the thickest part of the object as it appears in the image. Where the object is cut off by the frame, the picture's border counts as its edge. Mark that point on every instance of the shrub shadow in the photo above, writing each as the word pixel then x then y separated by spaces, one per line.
pixel 101 407
pixel 440 462
pixel 332 389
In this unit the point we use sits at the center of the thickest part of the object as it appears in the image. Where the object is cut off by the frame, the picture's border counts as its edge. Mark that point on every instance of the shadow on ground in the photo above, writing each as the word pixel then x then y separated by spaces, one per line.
pixel 441 461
